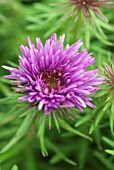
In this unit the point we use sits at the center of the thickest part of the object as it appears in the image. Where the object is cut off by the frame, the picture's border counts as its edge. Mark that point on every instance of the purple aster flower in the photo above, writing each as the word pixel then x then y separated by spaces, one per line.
pixel 53 77
pixel 109 74
pixel 87 8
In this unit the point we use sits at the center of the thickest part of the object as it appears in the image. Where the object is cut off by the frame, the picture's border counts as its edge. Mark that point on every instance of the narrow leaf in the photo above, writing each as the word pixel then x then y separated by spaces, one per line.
pixel 56 122
pixel 111 152
pixel 24 128
pixel 40 135
pixel 67 127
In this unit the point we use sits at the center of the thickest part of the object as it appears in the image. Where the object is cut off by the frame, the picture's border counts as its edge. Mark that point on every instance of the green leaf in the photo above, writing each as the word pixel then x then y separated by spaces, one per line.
pixel 15 167
pixel 108 141
pixel 14 151
pixel 49 120
pixel 67 134
pixel 106 26
pixel 12 64
pixel 92 128
pixel 12 99
pixel 87 38
pixel 106 162
pixel 97 137
pixel 67 127
pixel 101 31
pixel 83 120
pixel 107 105
pixel 55 159
pixel 56 122
pixel 5 89
pixel 24 128
pixel 99 117
pixel 6 81
pixel 42 7
pixel 50 31
pixel 59 154
pixel 40 135
pixel 84 147
pixel 111 117
pixel 11 114
pixel 111 152
pixel 5 133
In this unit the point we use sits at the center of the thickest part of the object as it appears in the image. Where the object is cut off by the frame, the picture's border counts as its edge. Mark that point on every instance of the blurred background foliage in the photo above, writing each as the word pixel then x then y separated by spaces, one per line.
pixel 69 149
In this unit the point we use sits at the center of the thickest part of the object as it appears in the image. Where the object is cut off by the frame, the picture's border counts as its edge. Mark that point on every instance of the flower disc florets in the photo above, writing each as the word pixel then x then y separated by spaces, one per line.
pixel 52 77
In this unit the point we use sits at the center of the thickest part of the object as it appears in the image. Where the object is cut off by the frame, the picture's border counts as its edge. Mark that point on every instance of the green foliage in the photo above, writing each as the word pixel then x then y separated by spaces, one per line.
pixel 28 139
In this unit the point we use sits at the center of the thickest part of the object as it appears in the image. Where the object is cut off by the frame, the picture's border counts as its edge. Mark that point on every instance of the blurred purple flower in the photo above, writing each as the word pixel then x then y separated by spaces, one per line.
pixel 109 74
pixel 52 77
pixel 87 8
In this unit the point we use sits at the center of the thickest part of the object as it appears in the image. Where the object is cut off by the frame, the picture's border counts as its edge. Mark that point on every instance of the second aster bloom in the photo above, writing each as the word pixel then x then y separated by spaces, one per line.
pixel 109 74
pixel 53 77
pixel 88 8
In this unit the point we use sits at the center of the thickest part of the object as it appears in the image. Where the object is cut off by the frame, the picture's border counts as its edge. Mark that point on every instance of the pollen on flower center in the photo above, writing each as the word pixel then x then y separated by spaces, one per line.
pixel 52 79
pixel 83 2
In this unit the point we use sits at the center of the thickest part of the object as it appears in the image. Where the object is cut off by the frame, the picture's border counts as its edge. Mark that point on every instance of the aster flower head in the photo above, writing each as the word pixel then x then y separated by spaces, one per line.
pixel 53 77
pixel 88 8
pixel 109 74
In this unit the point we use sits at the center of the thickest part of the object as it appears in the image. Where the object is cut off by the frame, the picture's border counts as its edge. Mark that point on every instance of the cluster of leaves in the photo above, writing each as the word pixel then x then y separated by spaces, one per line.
pixel 86 141
pixel 28 128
